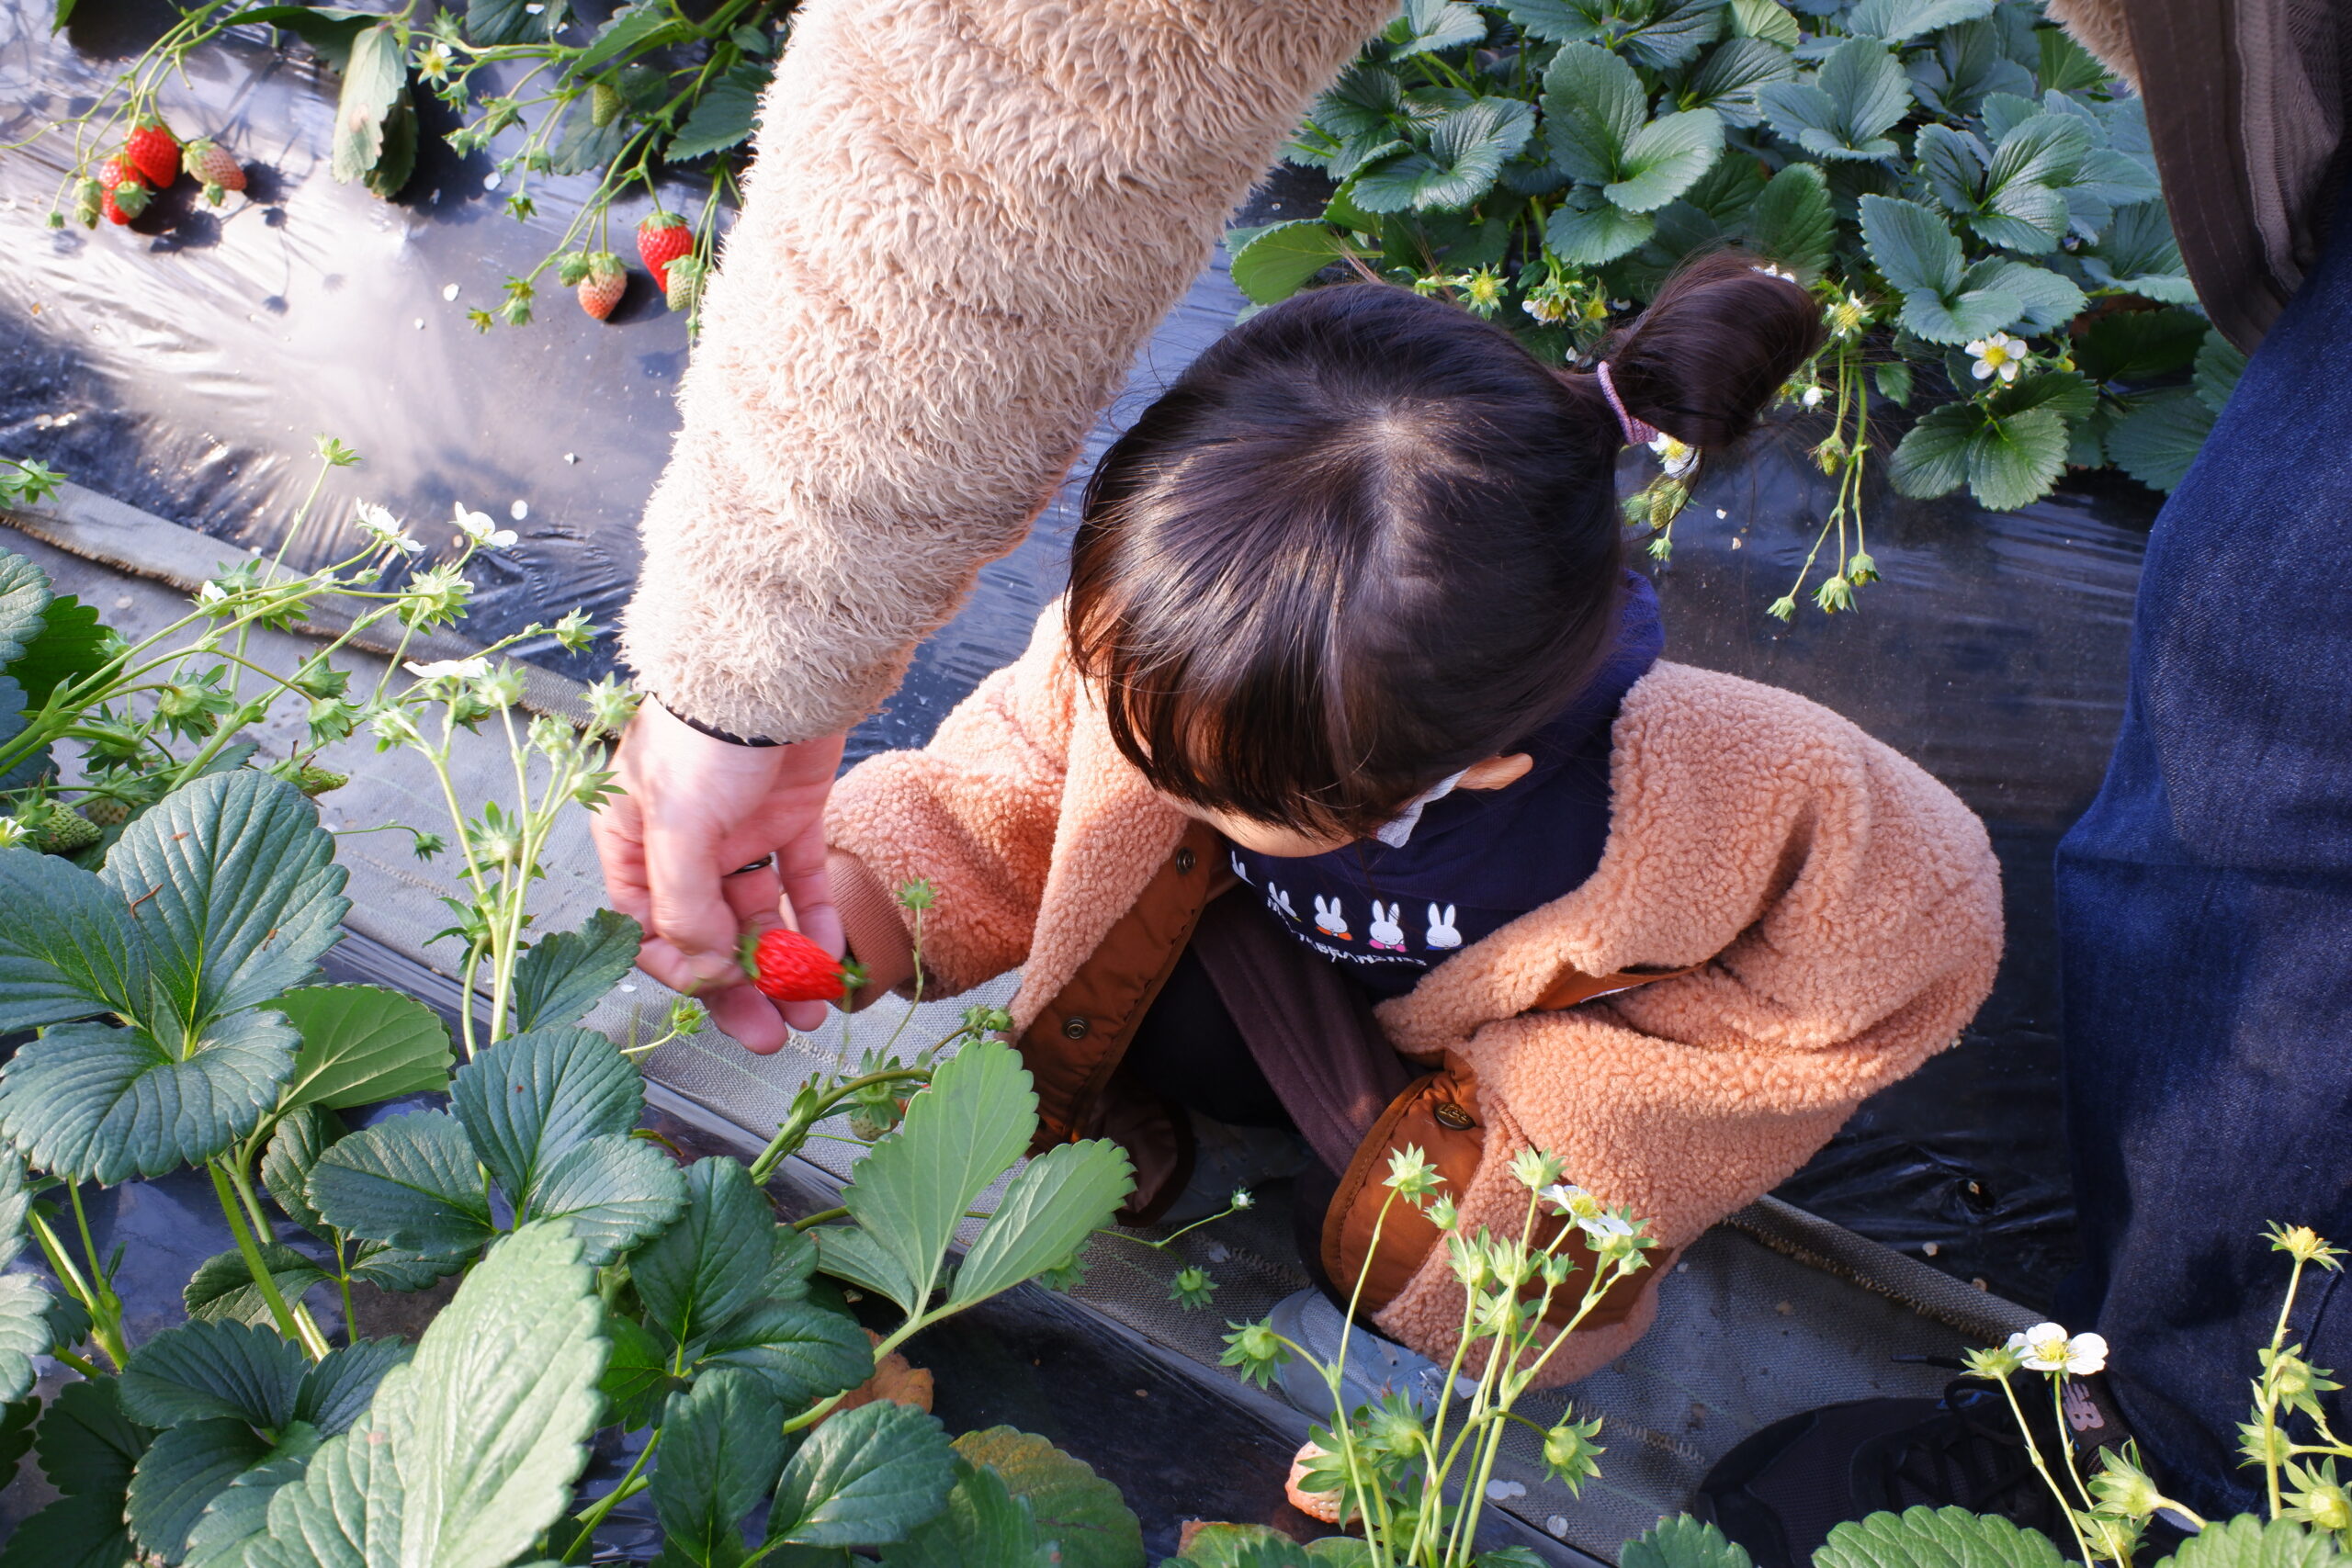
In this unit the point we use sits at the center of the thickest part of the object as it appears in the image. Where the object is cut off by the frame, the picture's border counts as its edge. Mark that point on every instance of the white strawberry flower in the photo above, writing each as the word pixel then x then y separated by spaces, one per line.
pixel 477 527
pixel 2048 1347
pixel 380 526
pixel 1572 1201
pixel 1999 355
pixel 1603 1226
pixel 1813 395
pixel 212 594
pixel 472 669
pixel 1677 457
pixel 12 833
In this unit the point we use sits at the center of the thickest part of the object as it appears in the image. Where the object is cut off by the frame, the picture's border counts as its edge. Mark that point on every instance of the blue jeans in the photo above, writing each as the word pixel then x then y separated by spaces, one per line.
pixel 2205 913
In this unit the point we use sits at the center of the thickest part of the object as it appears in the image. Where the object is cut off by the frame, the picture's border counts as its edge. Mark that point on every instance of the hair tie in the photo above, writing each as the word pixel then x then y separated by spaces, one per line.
pixel 1637 432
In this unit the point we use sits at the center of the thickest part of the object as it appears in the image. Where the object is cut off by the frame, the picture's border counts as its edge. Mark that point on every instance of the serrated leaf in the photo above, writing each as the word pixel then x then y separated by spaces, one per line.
pixel 2068 394
pixel 495 22
pixel 1593 235
pixel 1467 151
pixel 1952 161
pixel 239 1512
pixel 373 79
pixel 532 1099
pixel 86 1532
pixel 560 977
pixel 336 1391
pixel 404 1269
pixel 24 600
pixel 99 1104
pixel 1665 158
pixel 865 1477
pixel 2138 255
pixel 1728 81
pixel 1242 1546
pixel 1912 248
pixel 2157 440
pixel 960 1132
pixel 1676 30
pixel 1431 26
pixel 410 1181
pixel 983 1526
pixel 328 30
pixel 722 1449
pixel 2250 1542
pixel 1049 1209
pixel 234 884
pixel 1940 1538
pixel 2134 346
pixel 1843 113
pixel 25 1326
pixel 2067 67
pixel 1360 102
pixel 183 1470
pixel 1593 106
pixel 802 1350
pixel 2220 364
pixel 222 1289
pixel 692 1277
pixel 1682 1541
pixel 295 1146
pixel 1899 21
pixel 515 1355
pixel 1932 459
pixel 1766 19
pixel 16 1420
pixel 86 1444
pixel 69 645
pixel 2045 300
pixel 362 1044
pixel 202 1371
pixel 613 1191
pixel 636 1376
pixel 631 31
pixel 1281 260
pixel 725 116
pixel 1074 1507
pixel 68 949
pixel 1793 221
pixel 2013 459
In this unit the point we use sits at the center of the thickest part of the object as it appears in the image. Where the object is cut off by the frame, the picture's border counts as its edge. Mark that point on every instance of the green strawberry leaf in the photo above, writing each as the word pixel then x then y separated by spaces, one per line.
pixel 532 1099
pixel 2159 436
pixel 1900 21
pixel 1077 1509
pixel 1923 1538
pixel 690 1278
pixel 613 1191
pixel 1682 1541
pixel 362 1044
pixel 802 1350
pixel 70 645
pixel 1280 260
pixel 637 1378
pixel 960 1132
pixel 25 1326
pixel 222 1289
pixel 101 1104
pixel 1467 151
pixel 301 1136
pixel 725 116
pixel 86 1445
pixel 1932 459
pixel 239 1512
pixel 865 1477
pixel 984 1525
pixel 335 1391
pixel 1729 80
pixel 68 949
pixel 1058 1199
pixel 1665 158
pixel 722 1448
pixel 1793 221
pixel 561 976
pixel 1585 230
pixel 515 1353
pixel 2015 458
pixel 410 1181
pixel 185 1469
pixel 202 1371
pixel 1593 106
pixel 234 883
pixel 81 1531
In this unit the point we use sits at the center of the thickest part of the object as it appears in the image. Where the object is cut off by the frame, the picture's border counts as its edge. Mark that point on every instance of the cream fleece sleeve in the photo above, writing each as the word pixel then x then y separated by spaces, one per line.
pixel 965 218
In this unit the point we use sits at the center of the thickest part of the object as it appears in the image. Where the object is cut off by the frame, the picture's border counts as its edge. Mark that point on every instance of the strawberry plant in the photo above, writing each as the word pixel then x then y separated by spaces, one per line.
pixel 657 90
pixel 1970 197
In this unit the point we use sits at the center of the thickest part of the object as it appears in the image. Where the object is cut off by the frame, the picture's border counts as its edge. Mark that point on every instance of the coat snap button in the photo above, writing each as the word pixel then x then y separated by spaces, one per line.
pixel 1075 1028
pixel 1185 861
pixel 1449 1114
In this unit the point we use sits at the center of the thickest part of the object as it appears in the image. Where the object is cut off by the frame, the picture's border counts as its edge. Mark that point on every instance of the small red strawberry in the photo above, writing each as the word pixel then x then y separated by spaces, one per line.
pixel 602 288
pixel 154 152
pixel 214 168
pixel 123 195
pixel 788 967
pixel 662 239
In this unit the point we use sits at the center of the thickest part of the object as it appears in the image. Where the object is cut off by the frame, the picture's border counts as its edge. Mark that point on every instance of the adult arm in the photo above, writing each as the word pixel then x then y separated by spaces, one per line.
pixel 966 219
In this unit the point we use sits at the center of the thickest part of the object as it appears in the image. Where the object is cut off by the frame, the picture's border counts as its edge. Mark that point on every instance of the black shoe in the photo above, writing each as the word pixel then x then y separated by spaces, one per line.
pixel 1780 1492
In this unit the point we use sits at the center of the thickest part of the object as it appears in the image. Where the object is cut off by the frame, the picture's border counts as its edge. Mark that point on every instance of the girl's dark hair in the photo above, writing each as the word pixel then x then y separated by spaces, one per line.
pixel 1366 539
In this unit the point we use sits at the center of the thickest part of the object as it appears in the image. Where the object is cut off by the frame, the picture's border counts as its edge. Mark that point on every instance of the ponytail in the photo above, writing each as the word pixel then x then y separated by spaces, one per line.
pixel 1704 361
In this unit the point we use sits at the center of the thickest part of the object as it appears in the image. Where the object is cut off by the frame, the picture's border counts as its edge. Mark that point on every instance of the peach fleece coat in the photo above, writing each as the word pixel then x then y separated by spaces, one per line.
pixel 1846 908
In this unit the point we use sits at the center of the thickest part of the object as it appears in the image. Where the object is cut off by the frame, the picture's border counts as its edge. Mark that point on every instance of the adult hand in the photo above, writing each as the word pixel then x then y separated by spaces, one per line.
pixel 692 810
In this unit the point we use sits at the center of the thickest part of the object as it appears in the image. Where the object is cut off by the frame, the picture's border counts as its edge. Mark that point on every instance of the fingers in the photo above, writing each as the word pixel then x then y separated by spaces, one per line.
pixel 688 907
pixel 750 1018
pixel 620 849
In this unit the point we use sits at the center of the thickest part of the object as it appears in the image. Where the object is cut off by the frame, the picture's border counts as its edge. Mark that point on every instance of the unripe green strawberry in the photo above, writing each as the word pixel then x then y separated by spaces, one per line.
pixel 315 782
pixel 105 812
pixel 55 830
pixel 683 290
pixel 89 197
pixel 603 104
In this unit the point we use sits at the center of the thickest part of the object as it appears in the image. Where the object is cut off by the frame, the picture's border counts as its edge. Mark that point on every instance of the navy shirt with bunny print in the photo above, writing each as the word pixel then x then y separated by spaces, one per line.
pixel 1476 860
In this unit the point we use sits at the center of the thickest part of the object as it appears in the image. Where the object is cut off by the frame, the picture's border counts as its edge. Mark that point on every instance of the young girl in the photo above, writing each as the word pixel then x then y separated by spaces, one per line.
pixel 1346 791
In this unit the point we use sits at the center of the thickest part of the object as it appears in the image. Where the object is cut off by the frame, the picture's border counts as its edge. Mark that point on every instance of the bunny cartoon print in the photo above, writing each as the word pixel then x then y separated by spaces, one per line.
pixel 1387 936
pixel 1328 919
pixel 1441 932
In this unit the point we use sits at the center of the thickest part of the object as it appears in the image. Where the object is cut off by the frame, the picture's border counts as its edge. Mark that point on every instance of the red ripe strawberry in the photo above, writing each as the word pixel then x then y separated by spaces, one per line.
pixel 788 967
pixel 123 194
pixel 154 152
pixel 606 281
pixel 661 240
pixel 212 166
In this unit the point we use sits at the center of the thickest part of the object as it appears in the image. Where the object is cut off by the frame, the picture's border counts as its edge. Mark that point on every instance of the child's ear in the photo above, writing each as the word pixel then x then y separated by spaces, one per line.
pixel 1495 773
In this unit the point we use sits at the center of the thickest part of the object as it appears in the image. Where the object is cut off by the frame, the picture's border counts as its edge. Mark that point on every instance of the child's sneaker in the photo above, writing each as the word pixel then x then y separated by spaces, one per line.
pixel 1376 1366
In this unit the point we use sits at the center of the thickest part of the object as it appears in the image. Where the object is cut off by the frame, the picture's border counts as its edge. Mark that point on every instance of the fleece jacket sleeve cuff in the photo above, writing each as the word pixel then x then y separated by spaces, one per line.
pixel 878 938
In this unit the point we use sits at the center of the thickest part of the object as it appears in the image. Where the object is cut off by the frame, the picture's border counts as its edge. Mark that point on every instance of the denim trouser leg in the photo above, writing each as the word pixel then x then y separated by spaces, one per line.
pixel 2205 909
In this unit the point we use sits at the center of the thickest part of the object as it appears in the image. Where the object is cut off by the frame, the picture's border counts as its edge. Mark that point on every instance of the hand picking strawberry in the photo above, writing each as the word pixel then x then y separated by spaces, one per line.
pixel 788 967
